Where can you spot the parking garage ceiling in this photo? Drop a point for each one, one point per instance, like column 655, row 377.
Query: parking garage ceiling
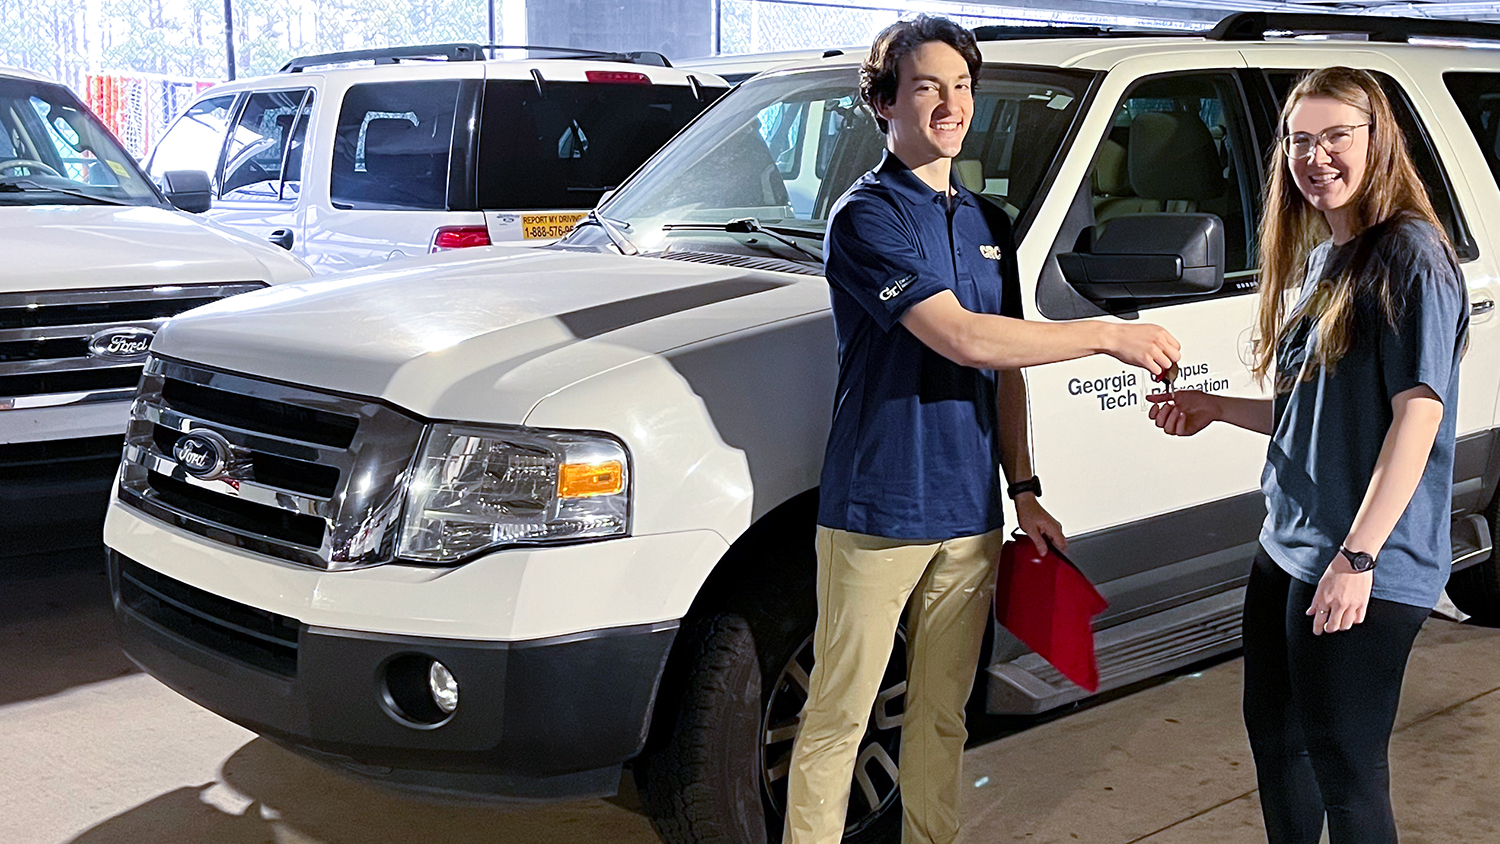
column 1210, row 11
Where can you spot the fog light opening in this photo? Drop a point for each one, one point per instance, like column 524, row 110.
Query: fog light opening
column 419, row 691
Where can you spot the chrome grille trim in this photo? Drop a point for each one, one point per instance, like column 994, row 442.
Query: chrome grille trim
column 45, row 335
column 242, row 487
column 358, row 518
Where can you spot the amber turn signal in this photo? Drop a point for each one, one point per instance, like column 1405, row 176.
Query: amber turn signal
column 583, row 480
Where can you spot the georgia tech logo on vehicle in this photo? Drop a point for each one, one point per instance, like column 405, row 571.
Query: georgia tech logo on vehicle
column 202, row 454
column 990, row 250
column 121, row 343
column 896, row 287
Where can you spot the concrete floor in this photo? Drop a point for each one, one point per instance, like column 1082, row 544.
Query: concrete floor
column 92, row 751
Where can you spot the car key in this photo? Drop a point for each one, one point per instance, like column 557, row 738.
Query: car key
column 1167, row 379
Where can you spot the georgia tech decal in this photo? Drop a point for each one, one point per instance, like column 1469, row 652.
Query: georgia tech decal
column 896, row 287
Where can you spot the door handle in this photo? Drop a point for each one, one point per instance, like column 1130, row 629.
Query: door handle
column 1482, row 306
column 284, row 239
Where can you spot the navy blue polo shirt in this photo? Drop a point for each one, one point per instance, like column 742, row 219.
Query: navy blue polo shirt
column 913, row 452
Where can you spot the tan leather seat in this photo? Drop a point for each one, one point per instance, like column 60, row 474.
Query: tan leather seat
column 1173, row 159
column 1113, row 196
column 970, row 173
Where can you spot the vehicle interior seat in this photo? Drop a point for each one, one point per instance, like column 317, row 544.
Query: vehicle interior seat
column 400, row 166
column 1113, row 195
column 970, row 173
column 1172, row 158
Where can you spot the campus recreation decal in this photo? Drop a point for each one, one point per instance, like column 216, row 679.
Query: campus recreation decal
column 1129, row 388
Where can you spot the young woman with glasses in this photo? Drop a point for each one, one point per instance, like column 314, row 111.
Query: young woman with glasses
column 1363, row 319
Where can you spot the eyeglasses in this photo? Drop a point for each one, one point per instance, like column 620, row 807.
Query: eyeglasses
column 1335, row 139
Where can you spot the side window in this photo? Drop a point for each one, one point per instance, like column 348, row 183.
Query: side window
column 258, row 145
column 291, row 172
column 781, row 129
column 392, row 145
column 1478, row 97
column 1017, row 133
column 1182, row 144
column 1422, row 153
column 195, row 140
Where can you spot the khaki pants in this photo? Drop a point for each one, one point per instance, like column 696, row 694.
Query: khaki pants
column 863, row 586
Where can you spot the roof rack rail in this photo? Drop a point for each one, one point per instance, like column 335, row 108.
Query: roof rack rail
column 389, row 55
column 634, row 57
column 1017, row 32
column 1253, row 26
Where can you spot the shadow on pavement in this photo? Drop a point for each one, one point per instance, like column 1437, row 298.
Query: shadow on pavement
column 56, row 628
column 266, row 794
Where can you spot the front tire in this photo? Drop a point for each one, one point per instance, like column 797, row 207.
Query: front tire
column 720, row 776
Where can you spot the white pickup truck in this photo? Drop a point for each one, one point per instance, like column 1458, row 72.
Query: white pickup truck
column 93, row 259
column 500, row 523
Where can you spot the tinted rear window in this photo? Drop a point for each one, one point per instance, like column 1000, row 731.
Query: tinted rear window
column 565, row 145
column 1478, row 96
column 392, row 145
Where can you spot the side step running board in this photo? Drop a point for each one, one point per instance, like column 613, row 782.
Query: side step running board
column 1127, row 653
column 1148, row 646
column 1471, row 541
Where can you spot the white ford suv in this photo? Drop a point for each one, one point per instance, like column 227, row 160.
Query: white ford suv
column 347, row 163
column 95, row 260
column 499, row 524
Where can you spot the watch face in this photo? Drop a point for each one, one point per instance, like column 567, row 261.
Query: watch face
column 1360, row 561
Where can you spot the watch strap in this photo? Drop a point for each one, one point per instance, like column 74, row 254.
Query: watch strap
column 1032, row 485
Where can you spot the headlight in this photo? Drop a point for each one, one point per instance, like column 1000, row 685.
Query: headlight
column 474, row 488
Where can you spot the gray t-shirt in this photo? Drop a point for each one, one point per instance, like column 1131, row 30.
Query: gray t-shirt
column 1328, row 431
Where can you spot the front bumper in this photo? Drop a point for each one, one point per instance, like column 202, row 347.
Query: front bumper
column 539, row 719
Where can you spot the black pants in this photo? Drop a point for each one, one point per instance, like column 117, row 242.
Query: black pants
column 1320, row 709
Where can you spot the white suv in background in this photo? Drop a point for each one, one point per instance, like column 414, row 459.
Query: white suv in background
column 500, row 525
column 95, row 260
column 349, row 166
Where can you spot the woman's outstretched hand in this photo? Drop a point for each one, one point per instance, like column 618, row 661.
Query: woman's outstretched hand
column 1185, row 412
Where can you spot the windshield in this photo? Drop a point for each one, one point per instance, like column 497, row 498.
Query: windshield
column 53, row 151
column 782, row 148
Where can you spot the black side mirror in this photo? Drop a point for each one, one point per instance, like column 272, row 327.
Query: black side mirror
column 188, row 190
column 1149, row 256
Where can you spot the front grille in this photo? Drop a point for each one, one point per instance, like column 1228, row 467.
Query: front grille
column 310, row 477
column 242, row 633
column 45, row 359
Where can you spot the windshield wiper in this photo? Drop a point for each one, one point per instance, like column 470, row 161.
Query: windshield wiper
column 619, row 240
column 28, row 186
column 748, row 225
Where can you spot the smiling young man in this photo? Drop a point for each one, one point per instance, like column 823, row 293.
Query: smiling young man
column 930, row 406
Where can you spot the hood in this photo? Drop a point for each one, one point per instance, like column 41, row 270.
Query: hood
column 62, row 247
column 480, row 335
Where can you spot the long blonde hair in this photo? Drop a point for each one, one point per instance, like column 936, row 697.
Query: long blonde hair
column 1290, row 227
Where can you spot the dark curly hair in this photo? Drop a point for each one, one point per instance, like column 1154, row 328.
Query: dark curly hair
column 880, row 75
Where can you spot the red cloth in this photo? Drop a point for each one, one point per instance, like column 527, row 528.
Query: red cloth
column 1047, row 603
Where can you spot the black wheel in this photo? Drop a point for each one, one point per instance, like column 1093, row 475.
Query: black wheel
column 720, row 777
column 1476, row 589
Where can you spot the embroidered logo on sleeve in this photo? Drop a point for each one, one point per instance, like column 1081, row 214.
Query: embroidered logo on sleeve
column 896, row 287
column 989, row 250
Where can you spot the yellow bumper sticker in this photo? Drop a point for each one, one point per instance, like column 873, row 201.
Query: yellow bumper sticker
column 547, row 226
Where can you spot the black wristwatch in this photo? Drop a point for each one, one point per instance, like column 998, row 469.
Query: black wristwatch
column 1358, row 560
column 1032, row 485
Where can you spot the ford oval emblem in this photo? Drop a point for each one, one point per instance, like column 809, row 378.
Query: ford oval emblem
column 121, row 343
column 202, row 454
